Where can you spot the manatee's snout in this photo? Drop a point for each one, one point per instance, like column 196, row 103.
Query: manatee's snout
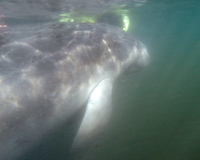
column 138, row 59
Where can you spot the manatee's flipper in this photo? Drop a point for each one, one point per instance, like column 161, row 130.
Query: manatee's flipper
column 97, row 114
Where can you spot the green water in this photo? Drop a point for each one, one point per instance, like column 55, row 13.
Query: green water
column 156, row 113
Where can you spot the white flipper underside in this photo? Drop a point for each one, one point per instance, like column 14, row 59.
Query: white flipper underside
column 97, row 114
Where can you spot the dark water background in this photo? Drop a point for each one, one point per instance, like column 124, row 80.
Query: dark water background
column 156, row 112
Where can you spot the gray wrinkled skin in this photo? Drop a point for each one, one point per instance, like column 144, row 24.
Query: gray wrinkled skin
column 47, row 72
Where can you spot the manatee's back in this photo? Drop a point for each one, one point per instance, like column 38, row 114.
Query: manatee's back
column 35, row 74
column 22, row 94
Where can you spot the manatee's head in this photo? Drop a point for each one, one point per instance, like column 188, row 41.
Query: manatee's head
column 129, row 54
column 107, row 48
column 138, row 58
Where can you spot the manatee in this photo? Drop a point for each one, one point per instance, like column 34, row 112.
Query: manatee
column 48, row 72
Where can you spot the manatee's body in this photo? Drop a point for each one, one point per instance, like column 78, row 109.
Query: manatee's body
column 46, row 75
